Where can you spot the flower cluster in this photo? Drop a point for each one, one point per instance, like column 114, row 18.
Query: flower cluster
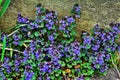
column 46, row 48
column 76, row 10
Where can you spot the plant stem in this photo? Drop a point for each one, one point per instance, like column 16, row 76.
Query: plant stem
column 13, row 32
column 10, row 49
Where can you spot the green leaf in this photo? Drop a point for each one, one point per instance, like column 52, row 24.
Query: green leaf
column 56, row 74
column 56, row 35
column 88, row 46
column 63, row 72
column 71, row 39
column 84, row 72
column 10, row 79
column 22, row 77
column 33, row 64
column 43, row 10
column 83, row 54
column 36, row 33
column 90, row 72
column 52, row 77
column 79, row 61
column 86, row 65
column 21, row 69
column 59, row 71
column 42, row 25
column 87, row 78
column 31, row 36
column 34, row 76
column 105, row 73
column 60, row 78
column 73, row 70
column 21, row 43
column 62, row 63
column 73, row 32
column 66, row 59
column 3, row 48
column 29, row 61
column 65, row 35
column 4, row 7
column 68, row 41
column 69, row 65
column 73, row 25
column 44, row 31
column 10, row 63
column 74, row 63
column 53, row 27
column 97, row 66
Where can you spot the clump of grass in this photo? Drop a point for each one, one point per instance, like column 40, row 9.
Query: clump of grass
column 4, row 7
column 0, row 2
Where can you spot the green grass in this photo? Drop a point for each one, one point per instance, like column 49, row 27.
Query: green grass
column 4, row 7
column 3, row 48
column 0, row 2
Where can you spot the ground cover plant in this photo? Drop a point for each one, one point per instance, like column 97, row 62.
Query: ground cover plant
column 46, row 48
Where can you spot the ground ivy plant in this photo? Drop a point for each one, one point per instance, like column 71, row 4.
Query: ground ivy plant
column 46, row 48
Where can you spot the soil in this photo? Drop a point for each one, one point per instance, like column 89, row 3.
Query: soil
column 101, row 12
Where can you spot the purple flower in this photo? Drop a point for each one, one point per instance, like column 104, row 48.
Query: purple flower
column 51, row 38
column 38, row 54
column 26, row 52
column 17, row 69
column 24, row 29
column 28, row 75
column 107, row 57
column 104, row 68
column 80, row 78
column 76, row 10
column 61, row 28
column 40, row 10
column 118, row 48
column 49, row 26
column 2, row 75
column 32, row 46
column 95, row 47
column 70, row 19
column 21, row 19
column 87, row 40
column 16, row 42
column 48, row 78
column 67, row 49
column 16, row 37
column 63, row 23
column 17, row 63
column 100, row 61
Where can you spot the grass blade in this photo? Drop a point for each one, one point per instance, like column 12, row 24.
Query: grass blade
column 3, row 48
column 0, row 2
column 4, row 7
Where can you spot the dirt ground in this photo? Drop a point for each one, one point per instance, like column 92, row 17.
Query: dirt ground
column 101, row 12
